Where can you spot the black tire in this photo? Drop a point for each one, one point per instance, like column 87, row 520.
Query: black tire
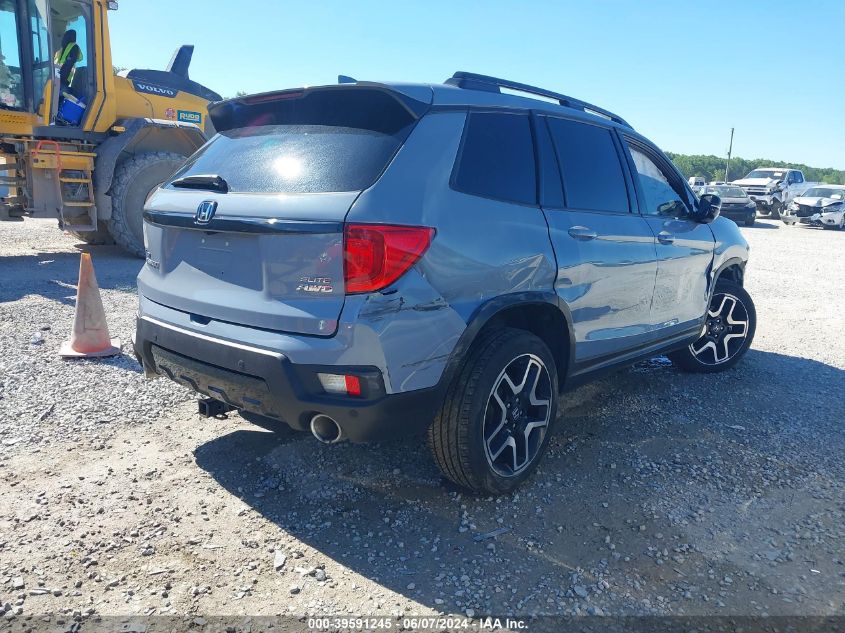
column 456, row 437
column 99, row 237
column 750, row 220
column 775, row 209
column 731, row 342
column 134, row 180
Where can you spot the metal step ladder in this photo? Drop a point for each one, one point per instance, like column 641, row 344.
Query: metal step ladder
column 85, row 217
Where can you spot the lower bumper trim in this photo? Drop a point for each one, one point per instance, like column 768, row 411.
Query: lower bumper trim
column 267, row 383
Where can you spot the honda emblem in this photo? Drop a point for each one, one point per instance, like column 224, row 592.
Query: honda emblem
column 205, row 212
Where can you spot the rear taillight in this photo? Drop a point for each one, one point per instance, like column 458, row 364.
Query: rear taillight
column 376, row 255
column 345, row 384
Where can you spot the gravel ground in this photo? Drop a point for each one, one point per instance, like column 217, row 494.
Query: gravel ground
column 662, row 494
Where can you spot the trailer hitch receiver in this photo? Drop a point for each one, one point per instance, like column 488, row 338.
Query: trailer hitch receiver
column 211, row 408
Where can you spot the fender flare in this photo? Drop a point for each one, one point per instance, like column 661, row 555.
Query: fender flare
column 182, row 138
column 733, row 261
column 484, row 313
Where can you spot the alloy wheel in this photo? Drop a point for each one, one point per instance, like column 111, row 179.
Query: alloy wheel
column 517, row 414
column 725, row 331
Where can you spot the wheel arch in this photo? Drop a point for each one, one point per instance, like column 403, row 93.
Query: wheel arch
column 541, row 313
column 140, row 136
column 732, row 270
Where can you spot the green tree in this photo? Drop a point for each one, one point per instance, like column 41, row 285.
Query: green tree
column 713, row 167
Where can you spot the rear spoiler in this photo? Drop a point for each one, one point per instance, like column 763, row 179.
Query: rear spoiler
column 291, row 105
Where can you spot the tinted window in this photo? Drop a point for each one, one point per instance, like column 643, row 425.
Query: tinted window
column 497, row 158
column 589, row 164
column 336, row 140
column 549, row 173
column 660, row 197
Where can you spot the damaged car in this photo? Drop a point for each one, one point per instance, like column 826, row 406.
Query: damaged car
column 822, row 206
column 370, row 259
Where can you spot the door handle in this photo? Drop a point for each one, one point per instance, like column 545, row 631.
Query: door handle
column 582, row 233
column 665, row 237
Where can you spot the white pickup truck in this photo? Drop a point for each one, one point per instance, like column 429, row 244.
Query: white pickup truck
column 773, row 188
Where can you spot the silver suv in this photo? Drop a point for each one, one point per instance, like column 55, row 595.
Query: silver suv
column 368, row 259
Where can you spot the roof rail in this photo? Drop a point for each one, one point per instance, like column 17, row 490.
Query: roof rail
column 473, row 81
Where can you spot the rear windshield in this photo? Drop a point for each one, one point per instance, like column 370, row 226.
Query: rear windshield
column 320, row 142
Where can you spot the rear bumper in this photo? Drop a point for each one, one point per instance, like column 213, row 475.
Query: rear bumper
column 268, row 383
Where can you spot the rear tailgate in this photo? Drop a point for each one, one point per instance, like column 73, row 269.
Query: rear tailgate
column 278, row 180
column 249, row 265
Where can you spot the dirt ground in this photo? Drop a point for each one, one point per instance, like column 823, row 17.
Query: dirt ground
column 663, row 493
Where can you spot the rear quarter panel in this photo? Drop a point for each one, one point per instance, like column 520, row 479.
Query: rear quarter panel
column 483, row 249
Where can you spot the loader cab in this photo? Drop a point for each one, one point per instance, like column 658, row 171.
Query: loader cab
column 31, row 33
column 77, row 86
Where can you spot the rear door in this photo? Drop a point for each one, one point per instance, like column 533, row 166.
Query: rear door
column 250, row 230
column 684, row 247
column 605, row 253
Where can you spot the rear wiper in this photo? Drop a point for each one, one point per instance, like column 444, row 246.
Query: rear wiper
column 210, row 182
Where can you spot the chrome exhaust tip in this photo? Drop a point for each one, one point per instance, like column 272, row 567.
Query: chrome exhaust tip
column 325, row 429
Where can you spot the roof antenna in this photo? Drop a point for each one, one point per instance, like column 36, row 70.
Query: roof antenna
column 344, row 79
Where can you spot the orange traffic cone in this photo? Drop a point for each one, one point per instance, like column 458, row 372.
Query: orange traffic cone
column 90, row 336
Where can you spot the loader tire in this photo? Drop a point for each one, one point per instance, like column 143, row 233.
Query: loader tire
column 100, row 237
column 135, row 179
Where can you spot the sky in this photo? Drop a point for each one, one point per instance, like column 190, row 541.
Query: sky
column 682, row 73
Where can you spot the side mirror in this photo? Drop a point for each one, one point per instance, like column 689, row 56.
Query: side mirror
column 709, row 206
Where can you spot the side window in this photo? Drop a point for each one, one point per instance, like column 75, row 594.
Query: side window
column 11, row 80
column 40, row 49
column 799, row 178
column 590, row 166
column 660, row 197
column 79, row 74
column 497, row 158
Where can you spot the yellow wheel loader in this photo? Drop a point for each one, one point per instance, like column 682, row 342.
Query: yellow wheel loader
column 77, row 141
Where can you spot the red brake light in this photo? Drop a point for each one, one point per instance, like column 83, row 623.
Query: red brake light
column 376, row 255
column 353, row 385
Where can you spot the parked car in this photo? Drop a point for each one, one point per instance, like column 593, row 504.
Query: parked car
column 823, row 206
column 369, row 259
column 773, row 188
column 736, row 205
column 695, row 181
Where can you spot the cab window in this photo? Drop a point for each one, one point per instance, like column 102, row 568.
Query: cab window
column 69, row 32
column 11, row 81
column 40, row 49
